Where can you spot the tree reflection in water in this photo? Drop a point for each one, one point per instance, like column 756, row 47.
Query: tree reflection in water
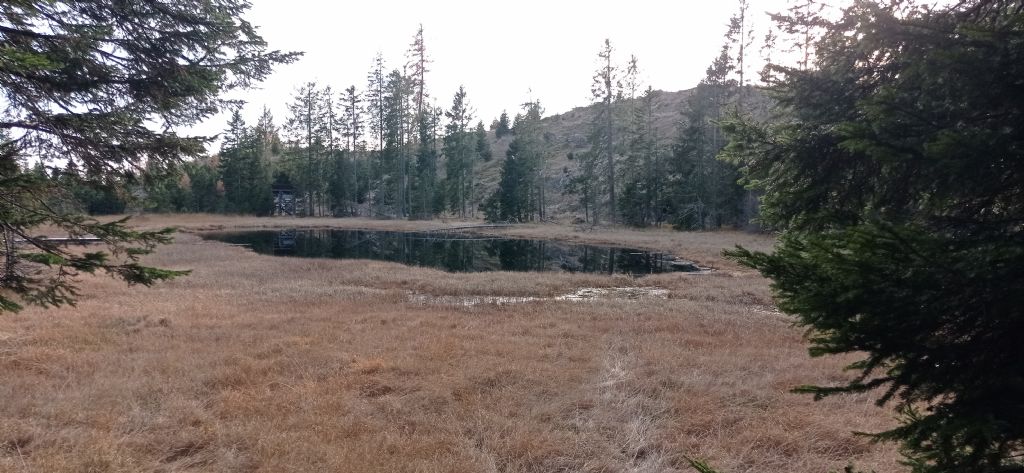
column 455, row 252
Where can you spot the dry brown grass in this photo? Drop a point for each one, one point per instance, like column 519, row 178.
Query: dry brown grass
column 257, row 363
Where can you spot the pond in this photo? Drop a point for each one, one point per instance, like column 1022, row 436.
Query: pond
column 456, row 252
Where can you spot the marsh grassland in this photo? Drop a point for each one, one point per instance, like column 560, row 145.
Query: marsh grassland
column 268, row 364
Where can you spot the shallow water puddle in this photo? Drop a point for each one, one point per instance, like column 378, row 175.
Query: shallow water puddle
column 628, row 293
column 469, row 301
column 586, row 294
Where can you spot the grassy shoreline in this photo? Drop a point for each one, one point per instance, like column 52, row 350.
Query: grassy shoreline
column 705, row 247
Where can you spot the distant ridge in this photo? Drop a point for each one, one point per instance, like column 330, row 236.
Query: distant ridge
column 567, row 133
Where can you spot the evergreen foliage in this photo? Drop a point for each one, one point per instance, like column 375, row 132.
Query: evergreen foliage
column 246, row 179
column 393, row 158
column 682, row 183
column 352, row 120
column 504, row 127
column 460, row 152
column 645, row 169
column 704, row 191
column 207, row 195
column 483, row 143
column 520, row 193
column 606, row 91
column 97, row 85
column 428, row 200
column 307, row 131
column 896, row 181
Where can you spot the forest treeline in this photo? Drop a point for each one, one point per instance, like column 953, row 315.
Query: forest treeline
column 388, row 150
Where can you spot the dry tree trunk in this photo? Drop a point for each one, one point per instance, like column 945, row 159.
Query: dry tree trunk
column 9, row 255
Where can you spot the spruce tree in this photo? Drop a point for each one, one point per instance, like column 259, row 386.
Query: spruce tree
column 705, row 191
column 459, row 153
column 353, row 132
column 483, row 143
column 424, row 184
column 246, row 180
column 335, row 175
column 520, row 195
column 352, row 119
column 97, row 84
column 741, row 39
column 801, row 23
column 305, row 130
column 418, row 67
column 420, row 180
column 393, row 171
column 268, row 136
column 896, row 180
column 606, row 89
column 203, row 179
column 170, row 193
column 233, row 152
column 644, row 170
column 504, row 127
column 376, row 108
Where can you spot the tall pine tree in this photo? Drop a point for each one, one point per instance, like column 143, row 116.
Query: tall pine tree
column 459, row 153
column 605, row 90
column 644, row 172
column 306, row 131
column 246, row 180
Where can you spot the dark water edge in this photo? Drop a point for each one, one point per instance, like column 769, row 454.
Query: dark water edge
column 456, row 252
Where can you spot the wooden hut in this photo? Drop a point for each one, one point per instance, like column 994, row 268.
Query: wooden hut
column 284, row 199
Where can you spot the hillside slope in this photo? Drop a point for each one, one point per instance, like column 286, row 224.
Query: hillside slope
column 567, row 132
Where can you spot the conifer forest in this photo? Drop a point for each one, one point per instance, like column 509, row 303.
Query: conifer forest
column 389, row 148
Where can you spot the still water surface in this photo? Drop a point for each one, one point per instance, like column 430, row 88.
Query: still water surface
column 456, row 252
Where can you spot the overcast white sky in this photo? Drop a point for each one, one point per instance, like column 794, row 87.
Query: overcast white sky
column 503, row 52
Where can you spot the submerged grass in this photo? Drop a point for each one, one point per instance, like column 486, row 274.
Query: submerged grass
column 260, row 363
